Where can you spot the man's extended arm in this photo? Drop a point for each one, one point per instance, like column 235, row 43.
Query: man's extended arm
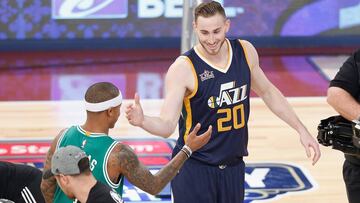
column 277, row 103
column 48, row 186
column 178, row 82
column 124, row 158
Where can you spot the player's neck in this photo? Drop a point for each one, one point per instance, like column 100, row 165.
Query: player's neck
column 219, row 58
column 93, row 126
column 85, row 184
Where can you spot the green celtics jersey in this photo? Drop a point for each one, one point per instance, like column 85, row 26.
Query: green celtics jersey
column 98, row 147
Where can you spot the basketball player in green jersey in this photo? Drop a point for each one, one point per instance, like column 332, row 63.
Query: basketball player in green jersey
column 111, row 161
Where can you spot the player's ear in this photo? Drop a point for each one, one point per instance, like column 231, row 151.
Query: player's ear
column 227, row 25
column 62, row 179
column 110, row 111
column 113, row 111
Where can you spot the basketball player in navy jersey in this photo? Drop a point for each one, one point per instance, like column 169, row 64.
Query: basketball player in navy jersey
column 210, row 84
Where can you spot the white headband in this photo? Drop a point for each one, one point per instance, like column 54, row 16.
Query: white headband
column 102, row 106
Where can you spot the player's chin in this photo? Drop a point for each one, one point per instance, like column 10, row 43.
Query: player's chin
column 112, row 125
column 213, row 51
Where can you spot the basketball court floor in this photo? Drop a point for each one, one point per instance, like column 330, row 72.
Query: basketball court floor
column 39, row 100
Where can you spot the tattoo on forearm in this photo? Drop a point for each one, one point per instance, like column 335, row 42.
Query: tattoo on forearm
column 48, row 186
column 140, row 176
column 48, row 189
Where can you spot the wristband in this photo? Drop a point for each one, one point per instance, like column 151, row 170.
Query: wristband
column 187, row 149
column 186, row 153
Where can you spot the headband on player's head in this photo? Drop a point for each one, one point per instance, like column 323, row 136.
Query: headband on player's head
column 102, row 106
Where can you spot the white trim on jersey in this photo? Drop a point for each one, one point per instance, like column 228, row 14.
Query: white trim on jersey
column 89, row 134
column 229, row 60
column 27, row 196
column 61, row 138
column 106, row 175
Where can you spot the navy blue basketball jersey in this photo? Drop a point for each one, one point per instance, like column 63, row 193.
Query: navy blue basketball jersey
column 221, row 99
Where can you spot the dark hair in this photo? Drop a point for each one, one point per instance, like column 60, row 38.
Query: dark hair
column 100, row 92
column 84, row 165
column 209, row 9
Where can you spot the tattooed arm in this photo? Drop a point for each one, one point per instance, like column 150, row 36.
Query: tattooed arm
column 48, row 186
column 140, row 176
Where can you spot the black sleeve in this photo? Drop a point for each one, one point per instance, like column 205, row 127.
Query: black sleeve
column 17, row 180
column 102, row 193
column 6, row 172
column 348, row 76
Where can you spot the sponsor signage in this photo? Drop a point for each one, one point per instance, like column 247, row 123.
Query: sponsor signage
column 89, row 9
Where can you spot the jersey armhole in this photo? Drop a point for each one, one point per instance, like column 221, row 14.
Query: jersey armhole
column 194, row 76
column 105, row 172
column 245, row 53
column 61, row 138
column 186, row 101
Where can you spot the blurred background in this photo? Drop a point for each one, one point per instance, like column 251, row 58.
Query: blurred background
column 51, row 51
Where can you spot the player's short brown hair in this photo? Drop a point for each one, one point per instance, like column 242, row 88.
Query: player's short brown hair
column 209, row 9
column 100, row 92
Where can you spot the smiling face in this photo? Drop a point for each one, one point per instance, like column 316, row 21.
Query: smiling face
column 211, row 32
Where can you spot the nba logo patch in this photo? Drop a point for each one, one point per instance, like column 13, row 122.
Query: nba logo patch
column 206, row 75
column 83, row 144
column 89, row 9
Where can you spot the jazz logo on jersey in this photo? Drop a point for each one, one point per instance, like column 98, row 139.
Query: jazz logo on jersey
column 229, row 94
column 89, row 9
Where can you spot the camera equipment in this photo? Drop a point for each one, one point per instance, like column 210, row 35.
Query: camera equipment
column 341, row 134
